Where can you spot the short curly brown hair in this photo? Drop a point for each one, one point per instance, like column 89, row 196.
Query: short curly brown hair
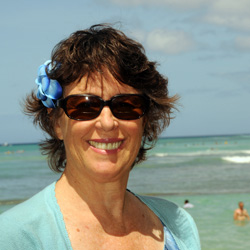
column 91, row 50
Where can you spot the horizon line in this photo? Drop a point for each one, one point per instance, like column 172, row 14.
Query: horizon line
column 4, row 144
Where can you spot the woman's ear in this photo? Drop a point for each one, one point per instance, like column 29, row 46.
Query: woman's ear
column 58, row 129
column 56, row 124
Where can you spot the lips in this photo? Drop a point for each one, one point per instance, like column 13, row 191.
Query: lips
column 106, row 145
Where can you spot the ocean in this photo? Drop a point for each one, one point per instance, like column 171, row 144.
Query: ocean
column 212, row 172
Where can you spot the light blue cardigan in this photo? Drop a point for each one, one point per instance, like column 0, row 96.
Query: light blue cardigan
column 179, row 223
column 38, row 224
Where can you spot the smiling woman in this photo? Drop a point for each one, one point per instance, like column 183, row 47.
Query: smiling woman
column 103, row 104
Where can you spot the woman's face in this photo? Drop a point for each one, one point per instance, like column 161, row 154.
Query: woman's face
column 102, row 149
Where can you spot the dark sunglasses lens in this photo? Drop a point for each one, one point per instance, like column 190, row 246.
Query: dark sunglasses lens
column 83, row 107
column 129, row 107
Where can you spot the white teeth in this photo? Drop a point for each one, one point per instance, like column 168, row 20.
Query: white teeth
column 105, row 146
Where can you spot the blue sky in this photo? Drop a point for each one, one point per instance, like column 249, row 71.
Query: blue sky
column 202, row 46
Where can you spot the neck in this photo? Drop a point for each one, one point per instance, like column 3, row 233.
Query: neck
column 104, row 199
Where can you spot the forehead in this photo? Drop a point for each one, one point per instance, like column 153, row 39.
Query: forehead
column 98, row 83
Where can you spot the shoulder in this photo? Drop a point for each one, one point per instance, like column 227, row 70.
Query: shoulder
column 19, row 225
column 188, row 205
column 168, row 211
column 29, row 208
column 176, row 219
column 237, row 210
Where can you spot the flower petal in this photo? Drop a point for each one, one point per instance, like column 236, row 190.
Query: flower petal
column 54, row 90
column 48, row 89
column 49, row 103
column 45, row 84
column 38, row 81
column 40, row 95
column 41, row 70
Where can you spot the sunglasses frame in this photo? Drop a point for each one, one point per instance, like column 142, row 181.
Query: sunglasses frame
column 62, row 103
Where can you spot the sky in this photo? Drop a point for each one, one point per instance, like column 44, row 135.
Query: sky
column 202, row 46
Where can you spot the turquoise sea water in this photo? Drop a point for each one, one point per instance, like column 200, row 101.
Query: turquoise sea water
column 212, row 172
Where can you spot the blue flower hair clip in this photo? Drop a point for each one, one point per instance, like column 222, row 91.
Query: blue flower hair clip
column 49, row 90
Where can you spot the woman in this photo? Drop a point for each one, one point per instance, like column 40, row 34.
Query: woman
column 103, row 104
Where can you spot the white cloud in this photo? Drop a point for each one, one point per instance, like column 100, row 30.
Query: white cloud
column 139, row 35
column 229, row 13
column 226, row 13
column 181, row 4
column 243, row 43
column 231, row 6
column 170, row 42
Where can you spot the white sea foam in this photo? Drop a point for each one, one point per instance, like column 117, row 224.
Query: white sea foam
column 161, row 154
column 246, row 152
column 237, row 159
column 208, row 152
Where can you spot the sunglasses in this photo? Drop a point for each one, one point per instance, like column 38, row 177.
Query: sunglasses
column 88, row 107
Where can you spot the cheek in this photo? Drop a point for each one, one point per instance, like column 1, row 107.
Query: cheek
column 74, row 131
column 136, row 130
column 64, row 128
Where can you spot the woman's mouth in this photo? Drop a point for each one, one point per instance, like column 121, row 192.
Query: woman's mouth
column 106, row 145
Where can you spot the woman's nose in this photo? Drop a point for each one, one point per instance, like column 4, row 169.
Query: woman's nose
column 106, row 120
